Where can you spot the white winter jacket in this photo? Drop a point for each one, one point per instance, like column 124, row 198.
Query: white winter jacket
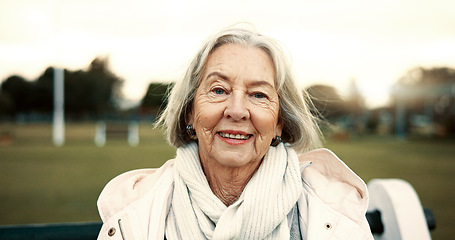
column 134, row 205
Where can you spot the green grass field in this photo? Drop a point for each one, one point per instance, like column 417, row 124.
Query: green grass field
column 41, row 183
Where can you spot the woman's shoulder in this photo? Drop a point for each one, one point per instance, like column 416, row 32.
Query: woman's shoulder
column 332, row 181
column 330, row 165
column 130, row 186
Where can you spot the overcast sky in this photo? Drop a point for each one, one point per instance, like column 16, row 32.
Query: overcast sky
column 331, row 41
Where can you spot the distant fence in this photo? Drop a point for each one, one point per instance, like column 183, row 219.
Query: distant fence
column 99, row 133
column 128, row 131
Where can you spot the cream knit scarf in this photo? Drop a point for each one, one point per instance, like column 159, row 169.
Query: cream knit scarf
column 259, row 213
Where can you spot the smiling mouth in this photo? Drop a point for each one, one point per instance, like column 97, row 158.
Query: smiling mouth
column 234, row 136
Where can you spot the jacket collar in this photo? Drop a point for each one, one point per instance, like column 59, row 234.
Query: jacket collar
column 329, row 179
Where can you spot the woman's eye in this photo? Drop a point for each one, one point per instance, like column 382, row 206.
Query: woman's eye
column 259, row 95
column 219, row 91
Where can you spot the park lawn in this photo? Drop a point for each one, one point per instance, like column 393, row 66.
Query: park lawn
column 428, row 165
column 41, row 183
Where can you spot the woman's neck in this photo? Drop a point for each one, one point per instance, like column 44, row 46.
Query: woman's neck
column 228, row 183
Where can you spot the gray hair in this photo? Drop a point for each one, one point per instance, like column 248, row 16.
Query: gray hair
column 300, row 128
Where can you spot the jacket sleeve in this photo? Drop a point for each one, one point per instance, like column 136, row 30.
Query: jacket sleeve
column 121, row 191
column 134, row 204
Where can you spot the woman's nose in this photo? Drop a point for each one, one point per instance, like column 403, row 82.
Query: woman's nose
column 236, row 107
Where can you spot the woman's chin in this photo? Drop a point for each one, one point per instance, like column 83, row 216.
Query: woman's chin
column 228, row 153
column 230, row 159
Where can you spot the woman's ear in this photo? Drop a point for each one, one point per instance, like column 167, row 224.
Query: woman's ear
column 189, row 118
column 279, row 128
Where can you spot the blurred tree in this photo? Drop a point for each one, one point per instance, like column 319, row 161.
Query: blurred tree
column 426, row 95
column 6, row 107
column 355, row 106
column 16, row 95
column 355, row 102
column 92, row 92
column 327, row 101
column 155, row 98
column 427, row 76
column 87, row 93
column 43, row 92
column 420, row 84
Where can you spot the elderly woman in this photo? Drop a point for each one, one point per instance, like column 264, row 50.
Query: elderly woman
column 238, row 120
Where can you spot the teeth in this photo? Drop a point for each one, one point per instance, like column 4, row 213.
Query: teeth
column 238, row 136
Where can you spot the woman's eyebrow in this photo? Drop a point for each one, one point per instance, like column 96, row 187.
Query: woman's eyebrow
column 253, row 83
column 218, row 74
column 261, row 83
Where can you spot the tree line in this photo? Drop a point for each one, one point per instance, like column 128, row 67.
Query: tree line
column 428, row 96
column 88, row 93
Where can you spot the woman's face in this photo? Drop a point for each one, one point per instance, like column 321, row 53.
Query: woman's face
column 236, row 107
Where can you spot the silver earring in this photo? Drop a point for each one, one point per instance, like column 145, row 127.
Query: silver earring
column 276, row 141
column 190, row 130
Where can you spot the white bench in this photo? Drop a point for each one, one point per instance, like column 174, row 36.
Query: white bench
column 400, row 212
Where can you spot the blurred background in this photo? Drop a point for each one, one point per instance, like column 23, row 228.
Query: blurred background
column 381, row 74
